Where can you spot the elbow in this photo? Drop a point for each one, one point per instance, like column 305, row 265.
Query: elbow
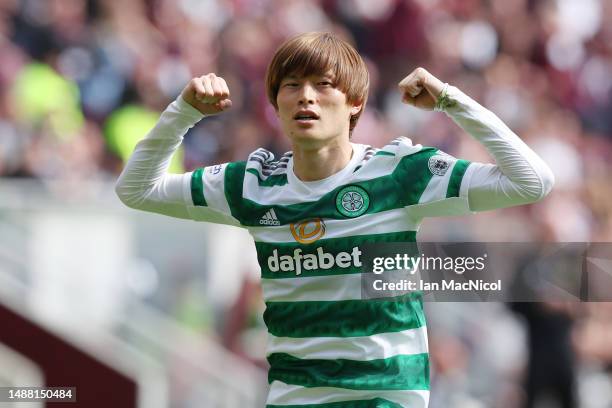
column 126, row 195
column 122, row 193
column 548, row 182
column 544, row 187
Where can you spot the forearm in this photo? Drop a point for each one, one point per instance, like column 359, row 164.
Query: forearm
column 520, row 176
column 144, row 183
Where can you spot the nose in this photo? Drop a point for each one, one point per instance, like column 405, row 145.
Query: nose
column 308, row 95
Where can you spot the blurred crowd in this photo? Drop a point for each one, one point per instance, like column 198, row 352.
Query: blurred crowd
column 81, row 81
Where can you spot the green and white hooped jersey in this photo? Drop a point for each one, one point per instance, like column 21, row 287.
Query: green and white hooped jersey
column 328, row 347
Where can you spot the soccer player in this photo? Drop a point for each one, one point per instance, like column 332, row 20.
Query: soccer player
column 311, row 210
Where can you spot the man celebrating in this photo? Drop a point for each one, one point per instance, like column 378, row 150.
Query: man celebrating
column 312, row 209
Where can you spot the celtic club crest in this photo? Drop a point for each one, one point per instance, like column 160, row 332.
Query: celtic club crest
column 352, row 201
column 439, row 164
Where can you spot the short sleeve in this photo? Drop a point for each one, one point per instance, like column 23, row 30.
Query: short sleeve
column 209, row 191
column 435, row 183
column 446, row 193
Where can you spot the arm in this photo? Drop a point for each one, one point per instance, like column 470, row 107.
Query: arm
column 144, row 183
column 520, row 175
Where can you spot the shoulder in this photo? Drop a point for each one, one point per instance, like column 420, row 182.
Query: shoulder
column 416, row 160
column 263, row 164
column 264, row 158
column 403, row 146
column 399, row 149
column 404, row 159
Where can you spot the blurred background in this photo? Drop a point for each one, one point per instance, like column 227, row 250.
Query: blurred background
column 143, row 310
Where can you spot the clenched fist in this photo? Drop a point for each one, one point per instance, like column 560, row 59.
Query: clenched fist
column 421, row 89
column 209, row 94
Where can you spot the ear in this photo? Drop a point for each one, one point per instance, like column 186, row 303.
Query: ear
column 355, row 109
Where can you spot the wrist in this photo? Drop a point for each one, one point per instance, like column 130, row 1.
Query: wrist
column 188, row 109
column 443, row 101
column 433, row 85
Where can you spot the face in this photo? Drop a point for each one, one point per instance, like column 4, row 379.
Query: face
column 312, row 111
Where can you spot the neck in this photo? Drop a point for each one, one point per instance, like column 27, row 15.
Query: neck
column 317, row 163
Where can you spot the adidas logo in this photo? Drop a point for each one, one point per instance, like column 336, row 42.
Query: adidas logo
column 269, row 218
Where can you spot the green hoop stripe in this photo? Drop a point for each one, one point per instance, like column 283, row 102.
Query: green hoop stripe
column 330, row 245
column 345, row 318
column 234, row 182
column 277, row 180
column 403, row 187
column 197, row 188
column 371, row 403
column 402, row 372
column 454, row 184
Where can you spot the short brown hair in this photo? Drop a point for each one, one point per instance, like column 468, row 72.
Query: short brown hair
column 315, row 54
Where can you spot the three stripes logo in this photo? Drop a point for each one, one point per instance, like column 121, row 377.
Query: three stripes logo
column 269, row 218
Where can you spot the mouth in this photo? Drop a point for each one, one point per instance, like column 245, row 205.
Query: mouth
column 306, row 116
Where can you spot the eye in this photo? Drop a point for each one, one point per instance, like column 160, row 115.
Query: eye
column 326, row 83
column 290, row 84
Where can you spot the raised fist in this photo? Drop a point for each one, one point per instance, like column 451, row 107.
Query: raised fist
column 209, row 94
column 420, row 89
